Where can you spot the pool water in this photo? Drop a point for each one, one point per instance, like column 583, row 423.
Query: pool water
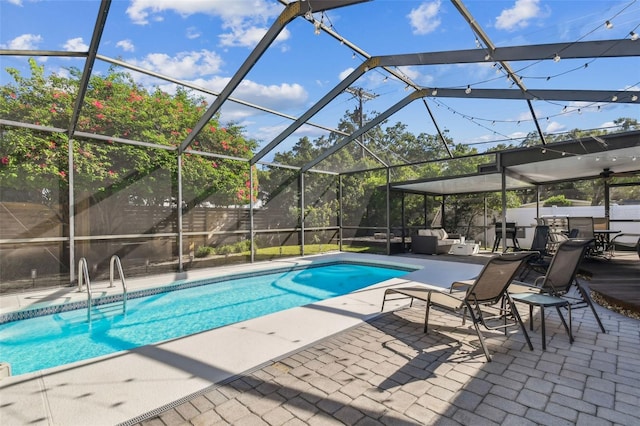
column 52, row 340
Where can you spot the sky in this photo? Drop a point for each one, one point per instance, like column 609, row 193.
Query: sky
column 204, row 42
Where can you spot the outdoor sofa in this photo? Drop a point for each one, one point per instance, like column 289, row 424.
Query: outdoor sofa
column 433, row 241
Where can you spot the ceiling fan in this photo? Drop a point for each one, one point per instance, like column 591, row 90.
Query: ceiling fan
column 607, row 173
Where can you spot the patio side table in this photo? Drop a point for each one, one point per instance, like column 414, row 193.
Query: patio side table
column 543, row 301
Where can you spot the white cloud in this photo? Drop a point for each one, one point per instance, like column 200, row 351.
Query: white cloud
column 193, row 33
column 230, row 11
column 184, row 65
column 23, row 42
column 518, row 135
column 425, row 18
column 554, row 127
column 344, row 74
column 414, row 74
column 607, row 125
column 518, row 15
column 282, row 97
column 15, row 2
column 76, row 45
column 245, row 20
column 126, row 45
column 241, row 36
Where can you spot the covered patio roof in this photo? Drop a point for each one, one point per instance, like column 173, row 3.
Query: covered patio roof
column 586, row 158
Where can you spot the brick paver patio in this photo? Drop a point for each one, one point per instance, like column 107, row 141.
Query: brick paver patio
column 388, row 372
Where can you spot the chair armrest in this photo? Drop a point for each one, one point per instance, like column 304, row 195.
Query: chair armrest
column 462, row 285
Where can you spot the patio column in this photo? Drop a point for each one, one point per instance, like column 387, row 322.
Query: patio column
column 251, row 225
column 301, row 193
column 341, row 212
column 504, row 206
column 179, row 212
column 388, row 211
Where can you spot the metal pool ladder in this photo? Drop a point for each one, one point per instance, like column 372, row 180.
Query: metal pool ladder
column 115, row 262
column 83, row 277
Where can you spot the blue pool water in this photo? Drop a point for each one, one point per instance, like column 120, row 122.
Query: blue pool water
column 48, row 341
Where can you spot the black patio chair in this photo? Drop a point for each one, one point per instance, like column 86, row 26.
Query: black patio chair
column 486, row 299
column 560, row 277
column 541, row 261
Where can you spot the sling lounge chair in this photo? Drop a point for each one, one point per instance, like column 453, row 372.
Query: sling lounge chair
column 486, row 300
column 559, row 278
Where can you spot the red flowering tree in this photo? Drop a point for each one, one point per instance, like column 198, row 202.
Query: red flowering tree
column 34, row 164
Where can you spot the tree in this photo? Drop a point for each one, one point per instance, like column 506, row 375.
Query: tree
column 35, row 166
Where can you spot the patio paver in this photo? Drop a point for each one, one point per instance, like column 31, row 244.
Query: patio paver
column 387, row 371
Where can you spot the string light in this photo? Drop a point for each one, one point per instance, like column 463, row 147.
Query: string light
column 434, row 92
column 634, row 36
column 487, row 56
column 608, row 25
column 468, row 89
column 556, row 58
column 614, row 98
column 634, row 98
column 316, row 31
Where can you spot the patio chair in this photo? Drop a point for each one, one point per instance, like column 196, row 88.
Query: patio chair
column 486, row 299
column 560, row 277
column 585, row 228
column 539, row 262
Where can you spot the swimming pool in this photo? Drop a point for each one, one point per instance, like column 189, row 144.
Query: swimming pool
column 64, row 337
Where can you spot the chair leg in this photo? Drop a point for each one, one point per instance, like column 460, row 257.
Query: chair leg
column 531, row 317
column 542, row 328
column 516, row 315
column 568, row 328
column 426, row 318
column 482, row 343
column 587, row 300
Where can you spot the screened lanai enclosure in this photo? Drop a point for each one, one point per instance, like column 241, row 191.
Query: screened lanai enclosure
column 198, row 134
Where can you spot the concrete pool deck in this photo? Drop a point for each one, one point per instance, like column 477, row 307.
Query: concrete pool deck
column 116, row 388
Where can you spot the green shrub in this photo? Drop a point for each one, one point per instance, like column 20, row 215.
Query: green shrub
column 557, row 200
column 226, row 249
column 204, row 251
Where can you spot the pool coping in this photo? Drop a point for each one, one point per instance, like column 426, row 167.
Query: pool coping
column 49, row 309
column 115, row 388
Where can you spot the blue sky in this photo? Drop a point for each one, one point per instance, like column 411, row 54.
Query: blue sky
column 204, row 42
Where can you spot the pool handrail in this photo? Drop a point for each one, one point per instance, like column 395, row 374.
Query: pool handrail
column 83, row 274
column 115, row 262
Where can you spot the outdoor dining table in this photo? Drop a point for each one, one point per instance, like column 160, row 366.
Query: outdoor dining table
column 603, row 238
